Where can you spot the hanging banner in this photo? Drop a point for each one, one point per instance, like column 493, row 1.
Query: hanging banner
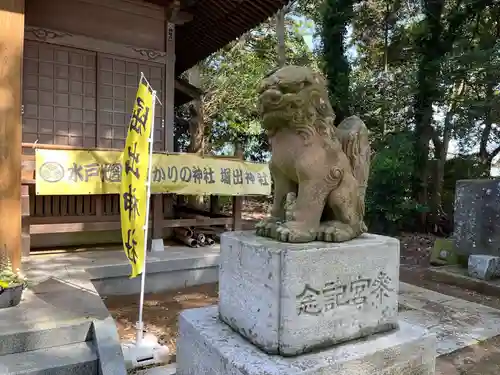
column 134, row 178
column 73, row 172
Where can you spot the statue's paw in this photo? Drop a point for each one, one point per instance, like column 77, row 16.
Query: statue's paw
column 267, row 228
column 291, row 232
column 335, row 231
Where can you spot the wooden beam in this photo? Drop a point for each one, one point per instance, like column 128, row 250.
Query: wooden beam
column 188, row 89
column 42, row 146
column 11, row 58
column 104, row 226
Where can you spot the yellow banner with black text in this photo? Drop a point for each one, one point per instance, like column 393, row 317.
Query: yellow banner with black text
column 134, row 178
column 75, row 172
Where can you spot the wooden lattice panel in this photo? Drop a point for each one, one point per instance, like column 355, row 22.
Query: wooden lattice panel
column 59, row 95
column 117, row 86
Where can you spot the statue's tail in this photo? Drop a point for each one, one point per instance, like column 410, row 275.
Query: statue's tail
column 354, row 136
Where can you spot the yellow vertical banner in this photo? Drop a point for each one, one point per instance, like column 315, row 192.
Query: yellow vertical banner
column 134, row 181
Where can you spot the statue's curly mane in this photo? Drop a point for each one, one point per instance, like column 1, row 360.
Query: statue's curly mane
column 303, row 106
column 324, row 123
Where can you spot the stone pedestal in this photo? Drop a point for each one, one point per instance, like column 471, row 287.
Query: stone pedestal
column 209, row 347
column 312, row 308
column 477, row 217
column 292, row 298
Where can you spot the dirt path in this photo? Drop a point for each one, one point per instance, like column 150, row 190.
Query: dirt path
column 480, row 359
column 161, row 311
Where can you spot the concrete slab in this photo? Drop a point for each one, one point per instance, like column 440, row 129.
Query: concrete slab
column 457, row 323
column 208, row 346
column 108, row 271
column 39, row 311
column 160, row 370
column 21, row 336
column 62, row 310
column 78, row 358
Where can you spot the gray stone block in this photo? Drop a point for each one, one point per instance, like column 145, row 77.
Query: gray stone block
column 477, row 217
column 294, row 298
column 209, row 347
column 108, row 348
column 77, row 359
column 21, row 338
column 484, row 267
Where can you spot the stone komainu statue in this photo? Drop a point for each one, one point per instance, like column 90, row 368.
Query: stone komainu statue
column 326, row 167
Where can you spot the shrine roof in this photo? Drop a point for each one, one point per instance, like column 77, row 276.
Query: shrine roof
column 216, row 23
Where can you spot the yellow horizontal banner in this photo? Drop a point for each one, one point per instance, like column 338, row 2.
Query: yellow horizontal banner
column 87, row 172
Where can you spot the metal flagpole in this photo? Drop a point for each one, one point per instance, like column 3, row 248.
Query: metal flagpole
column 140, row 325
column 145, row 350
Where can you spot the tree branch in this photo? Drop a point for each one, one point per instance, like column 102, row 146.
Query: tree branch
column 494, row 153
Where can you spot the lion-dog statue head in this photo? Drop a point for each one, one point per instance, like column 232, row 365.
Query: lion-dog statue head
column 296, row 97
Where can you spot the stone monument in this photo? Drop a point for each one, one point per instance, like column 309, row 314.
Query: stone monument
column 476, row 226
column 311, row 292
column 477, row 217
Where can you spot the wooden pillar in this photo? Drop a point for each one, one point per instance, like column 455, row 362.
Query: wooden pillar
column 169, row 85
column 214, row 205
column 157, row 205
column 25, row 221
column 168, row 200
column 237, row 206
column 11, row 57
column 237, row 200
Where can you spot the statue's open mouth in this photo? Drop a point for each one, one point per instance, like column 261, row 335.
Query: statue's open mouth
column 275, row 101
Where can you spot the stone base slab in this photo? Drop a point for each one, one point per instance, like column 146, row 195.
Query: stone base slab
column 289, row 299
column 206, row 346
column 484, row 267
column 458, row 276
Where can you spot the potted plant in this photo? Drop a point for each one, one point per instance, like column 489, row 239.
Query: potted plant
column 12, row 284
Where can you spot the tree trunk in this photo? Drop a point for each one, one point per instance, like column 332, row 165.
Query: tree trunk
column 441, row 149
column 427, row 94
column 337, row 15
column 386, row 37
column 196, row 123
column 196, row 130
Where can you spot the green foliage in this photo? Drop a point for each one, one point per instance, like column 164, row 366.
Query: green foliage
column 230, row 78
column 389, row 203
column 428, row 68
column 427, row 71
column 381, row 100
column 9, row 277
